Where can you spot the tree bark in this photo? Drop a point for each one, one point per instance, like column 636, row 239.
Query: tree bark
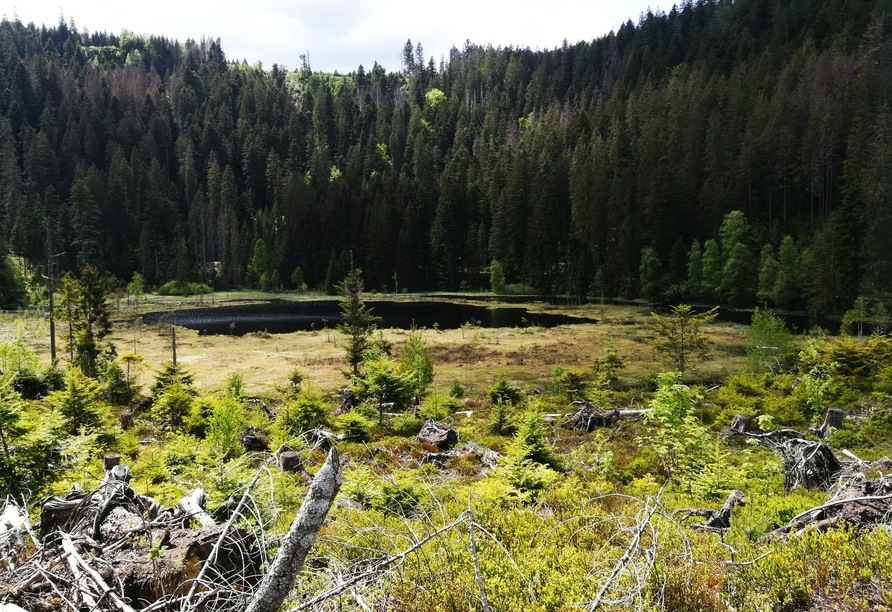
column 279, row 580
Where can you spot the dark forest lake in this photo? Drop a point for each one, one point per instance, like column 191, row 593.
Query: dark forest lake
column 283, row 316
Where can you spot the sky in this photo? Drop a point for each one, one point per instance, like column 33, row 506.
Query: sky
column 340, row 34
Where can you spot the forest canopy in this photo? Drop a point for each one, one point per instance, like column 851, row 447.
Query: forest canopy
column 604, row 167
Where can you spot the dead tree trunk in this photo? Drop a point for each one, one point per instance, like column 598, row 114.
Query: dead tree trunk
column 833, row 419
column 717, row 520
column 279, row 580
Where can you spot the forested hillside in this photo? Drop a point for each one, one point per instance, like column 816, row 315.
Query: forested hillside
column 601, row 168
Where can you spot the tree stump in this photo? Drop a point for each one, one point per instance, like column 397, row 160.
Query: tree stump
column 441, row 437
column 289, row 461
column 742, row 424
column 833, row 419
column 111, row 460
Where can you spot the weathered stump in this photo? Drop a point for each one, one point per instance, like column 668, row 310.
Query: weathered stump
column 834, row 419
column 742, row 424
column 289, row 461
column 254, row 440
column 443, row 438
column 111, row 460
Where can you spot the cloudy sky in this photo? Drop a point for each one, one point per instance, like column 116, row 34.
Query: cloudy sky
column 340, row 34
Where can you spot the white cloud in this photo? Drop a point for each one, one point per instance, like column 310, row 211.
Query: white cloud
column 342, row 34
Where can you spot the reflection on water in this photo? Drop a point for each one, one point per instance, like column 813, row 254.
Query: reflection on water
column 281, row 316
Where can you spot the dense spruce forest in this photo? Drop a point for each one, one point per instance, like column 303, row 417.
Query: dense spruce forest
column 724, row 152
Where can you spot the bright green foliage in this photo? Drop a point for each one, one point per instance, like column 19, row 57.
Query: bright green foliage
column 80, row 403
column 679, row 438
column 530, row 443
column 496, row 277
column 260, row 265
column 225, row 424
column 308, row 410
column 417, row 361
column 768, row 343
column 650, row 274
column 170, row 374
column 712, row 268
column 680, row 336
column 11, row 428
column 768, row 269
column 818, row 380
column 503, row 391
column 136, row 287
column 383, row 383
column 853, row 320
column 359, row 323
column 174, row 404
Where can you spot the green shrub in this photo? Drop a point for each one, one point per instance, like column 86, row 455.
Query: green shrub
column 308, row 410
column 458, row 391
column 530, row 443
column 355, row 427
column 225, row 424
column 503, row 391
column 406, row 425
column 183, row 289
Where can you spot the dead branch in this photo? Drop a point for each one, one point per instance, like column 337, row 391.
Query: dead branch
column 279, row 579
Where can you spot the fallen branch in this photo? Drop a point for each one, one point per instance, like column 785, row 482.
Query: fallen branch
column 279, row 580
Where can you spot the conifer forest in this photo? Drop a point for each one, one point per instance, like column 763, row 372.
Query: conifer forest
column 680, row 396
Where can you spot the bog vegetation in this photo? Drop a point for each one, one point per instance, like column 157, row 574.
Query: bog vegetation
column 721, row 153
column 561, row 516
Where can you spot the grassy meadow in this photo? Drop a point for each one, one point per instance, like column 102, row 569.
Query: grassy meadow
column 564, row 519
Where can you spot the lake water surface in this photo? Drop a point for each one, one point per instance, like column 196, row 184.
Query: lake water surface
column 283, row 316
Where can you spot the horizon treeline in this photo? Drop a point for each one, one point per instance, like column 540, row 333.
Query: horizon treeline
column 750, row 141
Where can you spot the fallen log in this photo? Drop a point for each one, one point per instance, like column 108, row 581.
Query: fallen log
column 859, row 501
column 279, row 579
column 716, row 520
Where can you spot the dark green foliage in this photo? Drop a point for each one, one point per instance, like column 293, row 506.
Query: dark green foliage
column 530, row 444
column 456, row 390
column 359, row 322
column 501, row 422
column 171, row 374
column 183, row 288
column 504, row 392
column 561, row 164
column 651, row 275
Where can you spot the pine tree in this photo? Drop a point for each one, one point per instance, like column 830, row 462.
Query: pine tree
column 695, row 271
column 359, row 323
column 680, row 335
column 787, row 288
column 712, row 269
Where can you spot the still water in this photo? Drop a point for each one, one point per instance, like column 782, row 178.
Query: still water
column 282, row 316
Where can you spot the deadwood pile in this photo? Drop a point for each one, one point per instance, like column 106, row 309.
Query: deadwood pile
column 114, row 550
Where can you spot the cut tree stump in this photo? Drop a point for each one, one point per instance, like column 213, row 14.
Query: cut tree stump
column 443, row 438
column 834, row 419
column 289, row 461
column 111, row 460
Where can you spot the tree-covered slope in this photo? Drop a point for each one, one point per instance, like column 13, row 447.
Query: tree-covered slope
column 564, row 165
